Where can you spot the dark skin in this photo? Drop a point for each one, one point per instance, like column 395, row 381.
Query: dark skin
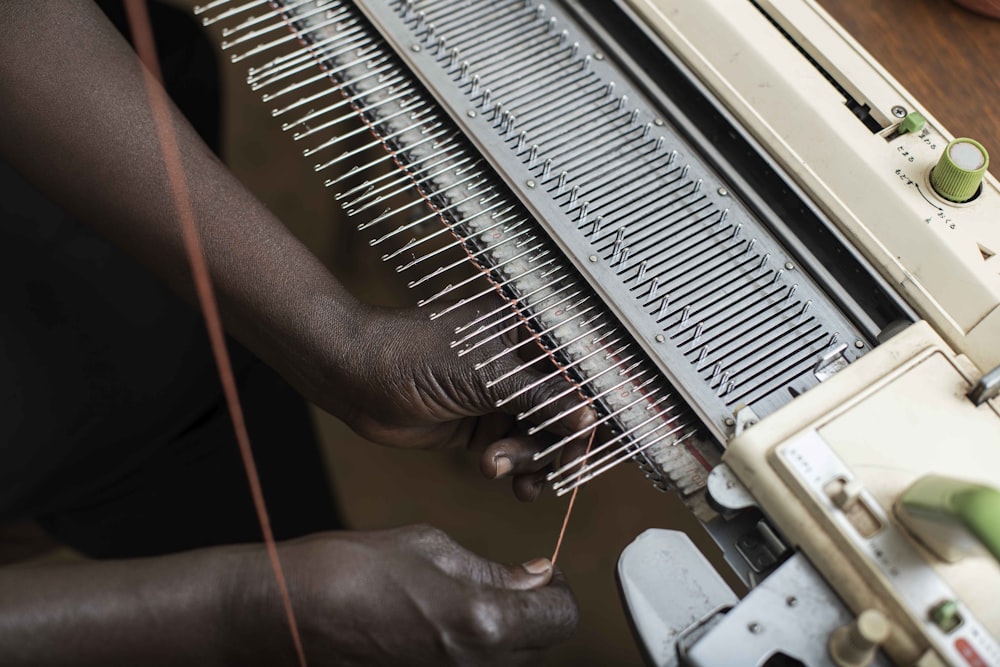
column 76, row 122
column 409, row 596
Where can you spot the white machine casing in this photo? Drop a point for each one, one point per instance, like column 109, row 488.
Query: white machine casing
column 902, row 411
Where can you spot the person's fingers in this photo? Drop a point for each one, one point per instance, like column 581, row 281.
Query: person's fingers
column 546, row 398
column 514, row 455
column 573, row 451
column 534, row 617
column 534, row 573
column 456, row 561
column 491, row 428
column 985, row 7
column 528, row 487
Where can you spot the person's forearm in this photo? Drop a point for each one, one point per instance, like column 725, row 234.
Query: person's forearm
column 150, row 611
column 408, row 596
column 76, row 121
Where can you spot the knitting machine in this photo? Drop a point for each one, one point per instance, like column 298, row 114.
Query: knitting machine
column 766, row 267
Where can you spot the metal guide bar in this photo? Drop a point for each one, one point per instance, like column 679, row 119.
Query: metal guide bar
column 489, row 224
column 700, row 283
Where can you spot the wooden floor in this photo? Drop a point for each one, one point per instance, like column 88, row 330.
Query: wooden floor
column 948, row 57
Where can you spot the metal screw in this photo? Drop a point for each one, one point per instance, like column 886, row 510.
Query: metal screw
column 471, row 113
column 789, row 266
column 755, row 628
column 592, row 258
column 415, row 47
column 859, row 344
column 723, row 192
column 660, row 338
column 899, row 112
column 792, row 601
column 598, row 56
column 658, row 122
column 530, row 183
column 730, row 421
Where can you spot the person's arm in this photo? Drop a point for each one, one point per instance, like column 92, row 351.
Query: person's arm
column 402, row 597
column 76, row 121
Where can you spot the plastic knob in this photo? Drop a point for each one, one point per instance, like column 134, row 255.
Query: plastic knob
column 959, row 173
column 856, row 644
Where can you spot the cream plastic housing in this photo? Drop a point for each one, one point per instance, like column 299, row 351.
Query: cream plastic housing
column 943, row 258
column 892, row 417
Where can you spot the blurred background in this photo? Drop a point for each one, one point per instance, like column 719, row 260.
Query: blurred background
column 380, row 488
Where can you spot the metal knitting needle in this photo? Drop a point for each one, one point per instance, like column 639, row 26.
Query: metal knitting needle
column 447, row 228
column 295, row 35
column 405, row 182
column 277, row 25
column 588, row 468
column 410, row 181
column 451, row 288
column 514, row 307
column 375, row 61
column 405, row 104
column 430, row 216
column 465, row 260
column 562, row 490
column 649, row 396
column 509, row 349
column 521, row 416
column 313, row 58
column 556, row 373
column 426, row 126
column 499, row 333
column 312, row 52
column 360, row 42
column 422, row 202
column 546, row 354
column 632, row 447
column 515, row 346
column 629, row 454
column 254, row 20
column 590, row 401
column 380, row 75
column 443, row 151
column 495, row 287
column 606, row 418
column 461, row 241
column 407, row 173
column 226, row 14
column 402, row 112
column 388, row 157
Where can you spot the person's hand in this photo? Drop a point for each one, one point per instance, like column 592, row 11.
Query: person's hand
column 985, row 7
column 410, row 597
column 403, row 385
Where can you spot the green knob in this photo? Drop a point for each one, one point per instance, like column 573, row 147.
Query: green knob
column 913, row 122
column 959, row 172
column 945, row 615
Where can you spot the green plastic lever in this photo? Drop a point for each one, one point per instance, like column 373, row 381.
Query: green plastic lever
column 913, row 122
column 974, row 506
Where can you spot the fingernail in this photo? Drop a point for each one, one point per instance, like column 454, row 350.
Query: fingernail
column 503, row 466
column 537, row 566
